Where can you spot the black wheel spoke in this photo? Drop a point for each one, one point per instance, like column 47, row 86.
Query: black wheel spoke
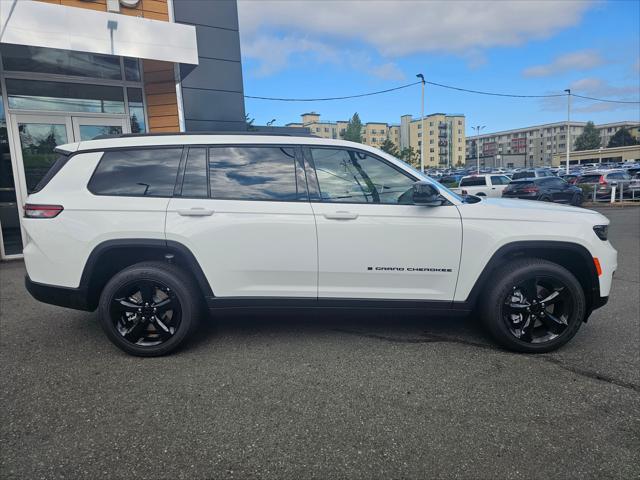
column 163, row 306
column 147, row 289
column 136, row 332
column 556, row 320
column 530, row 289
column 124, row 304
column 553, row 297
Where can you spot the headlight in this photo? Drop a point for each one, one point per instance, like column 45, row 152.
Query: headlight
column 602, row 231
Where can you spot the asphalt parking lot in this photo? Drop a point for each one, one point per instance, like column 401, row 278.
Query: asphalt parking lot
column 326, row 394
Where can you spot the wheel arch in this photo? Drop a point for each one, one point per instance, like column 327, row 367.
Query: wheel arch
column 572, row 256
column 112, row 256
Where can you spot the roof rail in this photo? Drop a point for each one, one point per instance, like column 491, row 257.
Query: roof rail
column 165, row 134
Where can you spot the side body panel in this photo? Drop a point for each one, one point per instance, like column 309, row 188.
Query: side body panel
column 388, row 251
column 250, row 248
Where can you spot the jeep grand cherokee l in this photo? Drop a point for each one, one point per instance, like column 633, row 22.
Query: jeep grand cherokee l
column 151, row 231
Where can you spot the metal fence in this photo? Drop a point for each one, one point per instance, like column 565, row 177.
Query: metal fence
column 614, row 194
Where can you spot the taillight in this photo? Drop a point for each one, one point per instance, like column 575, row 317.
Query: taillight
column 464, row 192
column 42, row 211
column 602, row 181
column 530, row 190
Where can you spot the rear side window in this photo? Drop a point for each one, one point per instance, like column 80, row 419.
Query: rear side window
column 137, row 173
column 254, row 173
column 589, row 179
column 473, row 182
column 518, row 175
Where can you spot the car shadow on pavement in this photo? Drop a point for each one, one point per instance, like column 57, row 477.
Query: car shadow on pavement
column 400, row 326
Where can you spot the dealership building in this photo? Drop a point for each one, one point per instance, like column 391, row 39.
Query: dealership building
column 72, row 70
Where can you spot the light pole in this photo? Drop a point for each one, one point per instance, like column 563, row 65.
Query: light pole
column 600, row 156
column 477, row 129
column 421, row 77
column 568, row 125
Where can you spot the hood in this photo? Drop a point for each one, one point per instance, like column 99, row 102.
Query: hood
column 529, row 210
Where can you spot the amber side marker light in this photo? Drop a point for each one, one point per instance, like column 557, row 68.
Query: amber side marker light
column 596, row 262
column 42, row 211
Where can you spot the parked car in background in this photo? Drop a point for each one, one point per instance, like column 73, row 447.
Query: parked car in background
column 546, row 189
column 570, row 178
column 533, row 173
column 450, row 180
column 490, row 185
column 603, row 181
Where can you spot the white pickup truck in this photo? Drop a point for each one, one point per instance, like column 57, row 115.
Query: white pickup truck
column 489, row 185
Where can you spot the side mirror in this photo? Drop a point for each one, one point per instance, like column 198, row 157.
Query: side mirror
column 426, row 195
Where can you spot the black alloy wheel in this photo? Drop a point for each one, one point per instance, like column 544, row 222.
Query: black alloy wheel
column 533, row 305
column 538, row 309
column 146, row 312
column 150, row 308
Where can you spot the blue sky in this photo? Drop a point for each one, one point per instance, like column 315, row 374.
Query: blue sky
column 324, row 48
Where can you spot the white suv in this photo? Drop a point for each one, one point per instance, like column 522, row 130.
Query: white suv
column 150, row 230
column 489, row 185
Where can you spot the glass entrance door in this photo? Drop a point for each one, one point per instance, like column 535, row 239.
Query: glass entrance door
column 35, row 138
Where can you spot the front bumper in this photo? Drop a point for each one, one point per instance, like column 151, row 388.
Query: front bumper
column 75, row 298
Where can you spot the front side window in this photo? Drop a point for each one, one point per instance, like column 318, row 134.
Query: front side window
column 356, row 177
column 254, row 173
column 147, row 172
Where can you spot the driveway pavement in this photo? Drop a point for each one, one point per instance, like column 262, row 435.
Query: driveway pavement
column 324, row 394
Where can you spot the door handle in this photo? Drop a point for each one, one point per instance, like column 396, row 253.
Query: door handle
column 341, row 216
column 195, row 212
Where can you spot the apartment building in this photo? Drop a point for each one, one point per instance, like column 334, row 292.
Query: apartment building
column 532, row 146
column 444, row 138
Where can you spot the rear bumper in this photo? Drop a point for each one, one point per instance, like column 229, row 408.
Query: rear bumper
column 75, row 298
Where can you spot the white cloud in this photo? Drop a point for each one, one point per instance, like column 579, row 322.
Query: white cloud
column 403, row 27
column 597, row 88
column 582, row 60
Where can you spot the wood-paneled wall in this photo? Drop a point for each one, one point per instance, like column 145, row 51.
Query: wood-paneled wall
column 159, row 82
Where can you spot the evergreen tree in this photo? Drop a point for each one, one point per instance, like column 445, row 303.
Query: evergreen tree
column 390, row 147
column 353, row 132
column 622, row 138
column 589, row 139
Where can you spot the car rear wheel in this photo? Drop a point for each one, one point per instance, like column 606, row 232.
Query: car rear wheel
column 149, row 309
column 536, row 306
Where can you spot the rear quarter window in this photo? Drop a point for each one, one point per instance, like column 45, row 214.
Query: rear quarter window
column 149, row 172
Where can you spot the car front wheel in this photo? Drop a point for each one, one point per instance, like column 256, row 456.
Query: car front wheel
column 149, row 309
column 536, row 306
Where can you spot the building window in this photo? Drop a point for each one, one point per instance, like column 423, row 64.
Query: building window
column 71, row 97
column 136, row 110
column 431, row 141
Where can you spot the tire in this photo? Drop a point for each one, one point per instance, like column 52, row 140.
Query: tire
column 122, row 308
column 546, row 199
column 576, row 200
column 568, row 307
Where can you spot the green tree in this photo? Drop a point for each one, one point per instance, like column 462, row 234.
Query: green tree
column 390, row 147
column 589, row 138
column 411, row 156
column 622, row 138
column 353, row 132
